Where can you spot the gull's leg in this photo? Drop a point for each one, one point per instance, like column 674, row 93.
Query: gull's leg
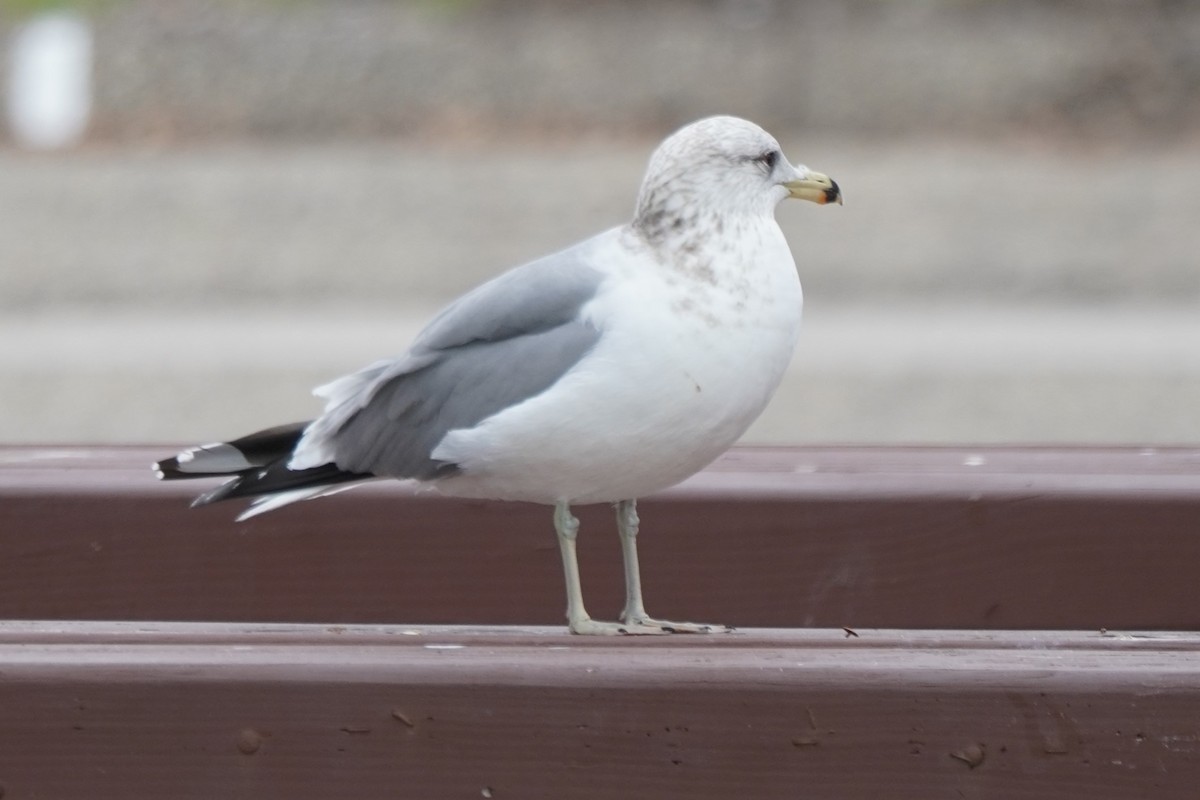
column 635, row 611
column 627, row 528
column 578, row 621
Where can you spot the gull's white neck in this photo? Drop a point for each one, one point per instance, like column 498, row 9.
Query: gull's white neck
column 711, row 246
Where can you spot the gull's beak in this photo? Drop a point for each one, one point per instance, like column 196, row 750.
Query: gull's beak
column 814, row 186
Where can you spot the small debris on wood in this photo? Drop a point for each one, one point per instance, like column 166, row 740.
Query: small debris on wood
column 248, row 741
column 1053, row 745
column 972, row 755
column 810, row 739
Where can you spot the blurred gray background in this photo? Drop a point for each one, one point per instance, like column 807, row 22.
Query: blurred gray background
column 268, row 194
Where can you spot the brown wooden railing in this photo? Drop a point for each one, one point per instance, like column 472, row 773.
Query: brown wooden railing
column 913, row 622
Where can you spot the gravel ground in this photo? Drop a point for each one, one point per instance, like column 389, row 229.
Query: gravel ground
column 194, row 70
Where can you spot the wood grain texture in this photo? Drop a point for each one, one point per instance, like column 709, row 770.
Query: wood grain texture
column 135, row 710
column 977, row 538
column 1101, row 540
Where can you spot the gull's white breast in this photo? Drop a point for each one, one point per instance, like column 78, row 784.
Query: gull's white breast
column 685, row 363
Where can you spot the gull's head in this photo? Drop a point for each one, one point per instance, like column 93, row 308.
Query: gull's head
column 724, row 166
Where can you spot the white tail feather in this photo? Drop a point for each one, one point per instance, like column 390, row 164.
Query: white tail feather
column 273, row 501
column 344, row 397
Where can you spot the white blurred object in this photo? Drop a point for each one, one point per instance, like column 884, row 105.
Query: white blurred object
column 50, row 81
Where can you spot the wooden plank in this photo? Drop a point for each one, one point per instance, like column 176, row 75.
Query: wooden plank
column 153, row 710
column 946, row 537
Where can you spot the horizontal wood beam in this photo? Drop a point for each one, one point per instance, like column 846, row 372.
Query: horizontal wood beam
column 896, row 537
column 1103, row 540
column 187, row 710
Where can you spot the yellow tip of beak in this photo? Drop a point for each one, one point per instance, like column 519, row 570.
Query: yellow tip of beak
column 815, row 187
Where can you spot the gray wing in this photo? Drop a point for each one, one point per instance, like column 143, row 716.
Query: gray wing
column 539, row 295
column 508, row 340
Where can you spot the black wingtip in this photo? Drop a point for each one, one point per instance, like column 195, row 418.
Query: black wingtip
column 167, row 469
column 254, row 466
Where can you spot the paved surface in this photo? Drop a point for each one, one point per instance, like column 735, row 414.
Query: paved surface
column 862, row 374
column 964, row 293
column 378, row 223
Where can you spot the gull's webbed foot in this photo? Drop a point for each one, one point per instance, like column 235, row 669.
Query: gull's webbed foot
column 634, row 621
column 667, row 626
column 591, row 627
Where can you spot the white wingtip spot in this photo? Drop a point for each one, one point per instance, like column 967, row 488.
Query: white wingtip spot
column 216, row 457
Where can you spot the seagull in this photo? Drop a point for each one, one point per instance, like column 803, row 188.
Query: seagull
column 609, row 370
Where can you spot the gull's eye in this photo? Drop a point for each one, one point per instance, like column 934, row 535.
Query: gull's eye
column 768, row 159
